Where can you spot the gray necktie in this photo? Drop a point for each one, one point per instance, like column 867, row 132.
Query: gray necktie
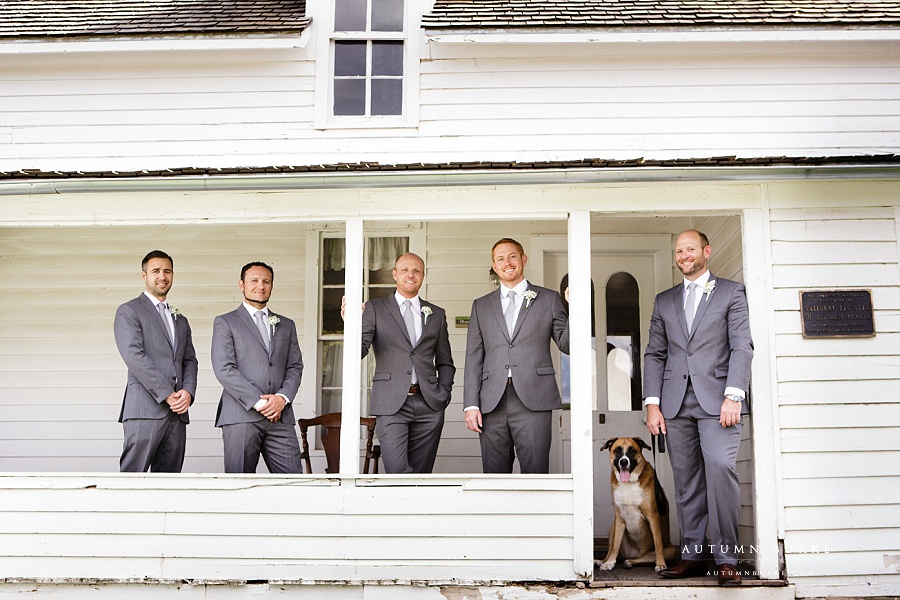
column 690, row 305
column 263, row 327
column 163, row 309
column 410, row 329
column 510, row 313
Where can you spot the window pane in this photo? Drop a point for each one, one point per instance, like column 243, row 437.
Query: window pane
column 349, row 97
column 331, row 402
column 332, row 323
column 387, row 59
column 387, row 96
column 380, row 292
column 333, row 258
column 350, row 59
column 623, row 342
column 350, row 15
column 387, row 15
column 332, row 364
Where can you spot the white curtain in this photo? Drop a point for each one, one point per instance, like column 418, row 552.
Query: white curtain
column 381, row 252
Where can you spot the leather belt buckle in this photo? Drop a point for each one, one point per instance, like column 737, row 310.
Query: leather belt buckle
column 414, row 389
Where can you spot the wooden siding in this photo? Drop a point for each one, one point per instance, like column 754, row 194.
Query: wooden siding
column 839, row 408
column 56, row 338
column 490, row 102
column 285, row 529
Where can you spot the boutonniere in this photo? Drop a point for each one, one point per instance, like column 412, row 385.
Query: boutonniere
column 426, row 312
column 529, row 296
column 709, row 288
column 273, row 321
column 176, row 312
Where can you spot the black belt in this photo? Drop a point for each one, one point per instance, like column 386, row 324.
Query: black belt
column 414, row 389
column 509, row 381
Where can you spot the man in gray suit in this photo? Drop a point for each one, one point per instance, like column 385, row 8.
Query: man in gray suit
column 510, row 382
column 154, row 340
column 414, row 370
column 696, row 375
column 257, row 359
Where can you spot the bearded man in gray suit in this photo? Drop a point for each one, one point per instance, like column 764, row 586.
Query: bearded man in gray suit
column 510, row 381
column 256, row 357
column 154, row 340
column 414, row 370
column 696, row 375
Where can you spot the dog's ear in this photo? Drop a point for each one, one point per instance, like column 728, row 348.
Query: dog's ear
column 609, row 443
column 641, row 443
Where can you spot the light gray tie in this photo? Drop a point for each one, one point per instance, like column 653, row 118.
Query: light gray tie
column 510, row 313
column 410, row 329
column 263, row 327
column 163, row 309
column 690, row 305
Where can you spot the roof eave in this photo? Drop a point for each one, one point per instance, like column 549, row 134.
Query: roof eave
column 65, row 45
column 658, row 35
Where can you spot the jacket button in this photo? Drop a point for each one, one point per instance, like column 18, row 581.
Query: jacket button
column 684, row 376
column 506, row 367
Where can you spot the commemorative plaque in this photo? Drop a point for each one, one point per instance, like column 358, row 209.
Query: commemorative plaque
column 837, row 313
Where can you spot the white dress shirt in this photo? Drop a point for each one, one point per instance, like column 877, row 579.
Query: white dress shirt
column 170, row 321
column 416, row 308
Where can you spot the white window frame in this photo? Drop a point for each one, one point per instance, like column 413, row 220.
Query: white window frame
column 323, row 20
column 312, row 394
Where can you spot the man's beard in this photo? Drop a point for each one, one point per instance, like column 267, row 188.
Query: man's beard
column 266, row 301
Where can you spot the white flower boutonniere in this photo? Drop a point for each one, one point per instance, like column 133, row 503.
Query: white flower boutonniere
column 273, row 321
column 426, row 312
column 529, row 296
column 709, row 288
column 176, row 312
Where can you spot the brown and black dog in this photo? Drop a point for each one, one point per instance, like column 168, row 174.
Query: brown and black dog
column 640, row 531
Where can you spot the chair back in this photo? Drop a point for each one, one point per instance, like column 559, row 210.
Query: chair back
column 331, row 442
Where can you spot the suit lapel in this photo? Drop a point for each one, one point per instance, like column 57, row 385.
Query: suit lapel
column 394, row 309
column 155, row 317
column 497, row 305
column 523, row 312
column 247, row 320
column 677, row 297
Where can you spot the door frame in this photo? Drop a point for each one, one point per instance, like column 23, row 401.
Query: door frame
column 767, row 488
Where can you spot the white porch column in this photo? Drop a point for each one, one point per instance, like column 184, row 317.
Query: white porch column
column 582, row 426
column 767, row 478
column 352, row 348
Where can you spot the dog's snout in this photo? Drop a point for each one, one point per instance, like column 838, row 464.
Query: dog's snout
column 623, row 462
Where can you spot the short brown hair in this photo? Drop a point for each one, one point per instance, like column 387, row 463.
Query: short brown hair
column 507, row 241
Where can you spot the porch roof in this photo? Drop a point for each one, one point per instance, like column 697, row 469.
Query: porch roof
column 890, row 160
column 568, row 14
column 42, row 19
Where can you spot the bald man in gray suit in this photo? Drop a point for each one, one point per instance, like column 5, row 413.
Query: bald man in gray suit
column 256, row 357
column 510, row 381
column 414, row 370
column 696, row 375
column 162, row 373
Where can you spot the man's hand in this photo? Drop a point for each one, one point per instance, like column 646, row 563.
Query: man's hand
column 179, row 401
column 473, row 420
column 730, row 413
column 273, row 407
column 344, row 306
column 656, row 423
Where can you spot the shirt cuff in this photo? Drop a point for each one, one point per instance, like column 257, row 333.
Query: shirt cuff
column 286, row 399
column 736, row 392
column 468, row 408
column 651, row 400
column 259, row 404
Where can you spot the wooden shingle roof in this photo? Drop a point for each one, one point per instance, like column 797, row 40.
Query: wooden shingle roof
column 505, row 14
column 21, row 19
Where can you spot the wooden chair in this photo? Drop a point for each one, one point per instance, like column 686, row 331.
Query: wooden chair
column 331, row 440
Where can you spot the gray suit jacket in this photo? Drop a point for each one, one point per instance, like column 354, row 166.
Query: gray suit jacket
column 154, row 370
column 246, row 371
column 716, row 353
column 384, row 330
column 491, row 354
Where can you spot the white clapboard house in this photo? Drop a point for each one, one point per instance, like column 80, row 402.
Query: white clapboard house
column 326, row 136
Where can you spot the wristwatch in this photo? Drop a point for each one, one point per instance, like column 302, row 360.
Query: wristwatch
column 733, row 397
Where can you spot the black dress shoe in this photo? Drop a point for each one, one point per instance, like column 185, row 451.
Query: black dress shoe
column 728, row 575
column 686, row 568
